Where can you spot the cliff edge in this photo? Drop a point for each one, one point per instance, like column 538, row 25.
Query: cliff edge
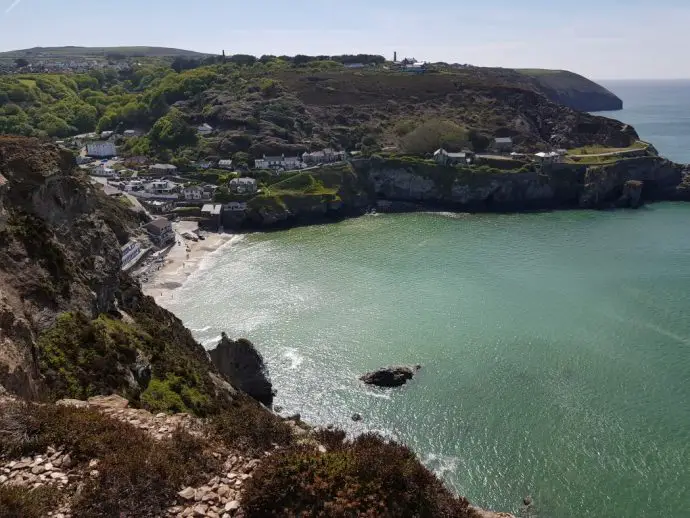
column 573, row 90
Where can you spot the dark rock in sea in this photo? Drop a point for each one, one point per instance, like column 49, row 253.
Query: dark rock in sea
column 632, row 194
column 243, row 366
column 356, row 417
column 295, row 417
column 390, row 376
column 277, row 409
column 527, row 500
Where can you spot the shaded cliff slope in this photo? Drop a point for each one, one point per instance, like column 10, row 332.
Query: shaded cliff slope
column 573, row 90
column 71, row 324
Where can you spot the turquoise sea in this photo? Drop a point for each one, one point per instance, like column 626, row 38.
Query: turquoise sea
column 555, row 346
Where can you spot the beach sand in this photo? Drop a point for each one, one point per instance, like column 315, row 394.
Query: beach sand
column 183, row 259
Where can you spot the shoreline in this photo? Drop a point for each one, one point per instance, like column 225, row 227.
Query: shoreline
column 161, row 275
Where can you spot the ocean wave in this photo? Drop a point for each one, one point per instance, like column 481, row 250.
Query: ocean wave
column 451, row 215
column 211, row 341
column 296, row 359
column 441, row 464
column 200, row 330
column 380, row 395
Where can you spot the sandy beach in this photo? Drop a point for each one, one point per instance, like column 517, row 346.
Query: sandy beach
column 161, row 278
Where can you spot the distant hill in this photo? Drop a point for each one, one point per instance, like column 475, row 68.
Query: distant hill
column 59, row 53
column 573, row 90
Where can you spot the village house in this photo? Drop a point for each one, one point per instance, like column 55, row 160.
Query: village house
column 443, row 157
column 193, row 192
column 225, row 164
column 202, row 164
column 211, row 215
column 103, row 171
column 323, row 157
column 243, row 185
column 204, row 129
column 235, row 206
column 278, row 162
column 159, row 206
column 162, row 169
column 209, row 190
column 107, row 134
column 547, row 158
column 503, row 144
column 131, row 133
column 134, row 186
column 162, row 187
column 160, row 231
column 130, row 251
column 101, row 149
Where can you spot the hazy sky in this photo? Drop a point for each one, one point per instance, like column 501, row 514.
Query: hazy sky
column 602, row 39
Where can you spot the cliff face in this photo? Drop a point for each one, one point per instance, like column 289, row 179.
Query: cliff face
column 561, row 186
column 71, row 324
column 573, row 90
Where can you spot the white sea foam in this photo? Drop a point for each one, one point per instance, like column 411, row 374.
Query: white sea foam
column 296, row 359
column 200, row 330
column 380, row 395
column 441, row 464
column 211, row 341
column 452, row 215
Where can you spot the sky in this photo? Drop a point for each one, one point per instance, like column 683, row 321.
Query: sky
column 601, row 39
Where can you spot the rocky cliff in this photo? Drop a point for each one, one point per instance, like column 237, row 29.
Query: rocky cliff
column 71, row 324
column 573, row 90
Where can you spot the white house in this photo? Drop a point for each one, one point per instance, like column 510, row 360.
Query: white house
column 163, row 187
column 107, row 134
column 548, row 158
column 101, row 149
column 225, row 164
column 243, row 185
column 504, row 144
column 443, row 157
column 204, row 129
column 323, row 157
column 193, row 192
column 102, row 170
column 278, row 162
column 130, row 251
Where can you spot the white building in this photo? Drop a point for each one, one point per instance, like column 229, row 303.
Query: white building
column 243, row 185
column 548, row 158
column 162, row 187
column 101, row 149
column 107, row 134
column 102, row 170
column 204, row 129
column 130, row 251
column 225, row 164
column 285, row 163
column 323, row 157
column 193, row 192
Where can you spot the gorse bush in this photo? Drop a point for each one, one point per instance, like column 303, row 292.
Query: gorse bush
column 367, row 477
column 23, row 502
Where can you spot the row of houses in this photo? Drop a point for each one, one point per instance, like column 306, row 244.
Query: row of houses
column 289, row 163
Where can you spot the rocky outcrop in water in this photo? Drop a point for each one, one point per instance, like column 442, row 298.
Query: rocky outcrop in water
column 244, row 368
column 390, row 376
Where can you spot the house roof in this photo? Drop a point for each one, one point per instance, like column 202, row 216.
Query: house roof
column 157, row 225
column 503, row 140
column 242, row 180
column 225, row 162
column 162, row 166
column 211, row 209
column 551, row 154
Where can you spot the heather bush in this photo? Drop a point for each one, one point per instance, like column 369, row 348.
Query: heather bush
column 366, row 477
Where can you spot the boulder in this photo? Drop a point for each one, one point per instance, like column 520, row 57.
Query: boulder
column 390, row 376
column 244, row 368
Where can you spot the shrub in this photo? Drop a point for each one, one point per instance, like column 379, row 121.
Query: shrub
column 250, row 427
column 138, row 476
column 364, row 477
column 27, row 503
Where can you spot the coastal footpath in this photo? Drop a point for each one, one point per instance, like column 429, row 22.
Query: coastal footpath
column 147, row 424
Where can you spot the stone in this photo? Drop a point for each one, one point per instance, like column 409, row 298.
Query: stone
column 295, row 417
column 48, row 466
column 243, row 366
column 211, row 514
column 160, row 416
column 225, row 515
column 277, row 409
column 214, row 481
column 232, row 506
column 322, row 448
column 93, row 463
column 187, row 493
column 56, row 475
column 93, row 473
column 113, row 401
column 223, row 490
column 67, row 461
column 73, row 403
column 356, row 417
column 37, row 470
column 200, row 510
column 389, row 376
column 3, row 479
column 209, row 496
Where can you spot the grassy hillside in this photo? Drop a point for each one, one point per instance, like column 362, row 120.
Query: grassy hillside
column 76, row 53
column 272, row 106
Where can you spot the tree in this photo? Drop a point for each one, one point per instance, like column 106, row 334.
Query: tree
column 173, row 131
column 21, row 62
